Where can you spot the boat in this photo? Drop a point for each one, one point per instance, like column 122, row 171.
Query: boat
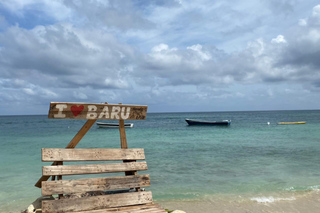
column 208, row 123
column 288, row 123
column 113, row 125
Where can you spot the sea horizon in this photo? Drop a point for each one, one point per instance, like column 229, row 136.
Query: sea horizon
column 170, row 112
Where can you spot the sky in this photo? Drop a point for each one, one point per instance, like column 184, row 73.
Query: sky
column 172, row 55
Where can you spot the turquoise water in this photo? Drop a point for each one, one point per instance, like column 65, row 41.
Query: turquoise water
column 248, row 158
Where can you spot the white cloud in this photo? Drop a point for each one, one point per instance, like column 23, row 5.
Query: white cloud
column 29, row 91
column 48, row 93
column 80, row 95
column 256, row 47
column 205, row 56
column 302, row 22
column 73, row 56
column 174, row 51
column 313, row 35
column 316, row 11
column 119, row 83
column 279, row 39
column 160, row 48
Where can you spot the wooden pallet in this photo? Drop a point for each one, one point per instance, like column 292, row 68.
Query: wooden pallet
column 134, row 200
column 121, row 193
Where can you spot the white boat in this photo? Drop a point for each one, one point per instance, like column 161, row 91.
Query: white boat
column 113, row 125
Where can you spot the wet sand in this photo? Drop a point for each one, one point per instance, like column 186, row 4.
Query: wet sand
column 306, row 203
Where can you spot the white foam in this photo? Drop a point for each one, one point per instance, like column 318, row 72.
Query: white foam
column 290, row 189
column 270, row 199
column 309, row 188
column 314, row 188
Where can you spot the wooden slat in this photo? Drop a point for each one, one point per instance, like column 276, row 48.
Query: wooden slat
column 123, row 137
column 93, row 168
column 124, row 144
column 96, row 202
column 146, row 208
column 94, row 184
column 84, row 129
column 92, row 154
column 59, row 178
column 72, row 144
column 97, row 111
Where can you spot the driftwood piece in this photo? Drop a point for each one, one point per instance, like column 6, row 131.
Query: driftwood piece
column 93, row 168
column 94, row 184
column 92, row 154
column 147, row 208
column 96, row 202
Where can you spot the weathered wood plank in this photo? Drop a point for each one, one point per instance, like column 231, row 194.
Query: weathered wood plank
column 92, row 154
column 96, row 202
column 97, row 111
column 59, row 178
column 84, row 129
column 72, row 144
column 123, row 137
column 124, row 144
column 146, row 208
column 93, row 168
column 94, row 184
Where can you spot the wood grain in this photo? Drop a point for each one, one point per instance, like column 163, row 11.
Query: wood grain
column 92, row 154
column 96, row 202
column 123, row 137
column 93, row 168
column 72, row 144
column 146, row 208
column 94, row 184
column 82, row 132
column 61, row 110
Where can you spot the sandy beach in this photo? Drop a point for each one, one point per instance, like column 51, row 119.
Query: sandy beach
column 304, row 203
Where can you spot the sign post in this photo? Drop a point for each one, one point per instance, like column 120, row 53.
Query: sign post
column 92, row 112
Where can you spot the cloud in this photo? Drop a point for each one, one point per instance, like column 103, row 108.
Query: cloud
column 193, row 65
column 63, row 56
column 294, row 59
column 160, row 52
column 281, row 6
column 279, row 39
column 316, row 12
column 302, row 53
column 109, row 14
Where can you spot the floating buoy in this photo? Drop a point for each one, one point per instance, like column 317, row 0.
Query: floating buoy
column 268, row 123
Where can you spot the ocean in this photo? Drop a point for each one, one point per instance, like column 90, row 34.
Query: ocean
column 248, row 161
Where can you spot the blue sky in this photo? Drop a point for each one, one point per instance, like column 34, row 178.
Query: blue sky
column 170, row 55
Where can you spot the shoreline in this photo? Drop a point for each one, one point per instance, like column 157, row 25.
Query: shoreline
column 301, row 202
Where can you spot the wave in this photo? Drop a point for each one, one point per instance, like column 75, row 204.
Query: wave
column 271, row 199
column 314, row 188
column 307, row 188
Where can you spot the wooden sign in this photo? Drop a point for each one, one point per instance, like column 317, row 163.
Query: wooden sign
column 97, row 111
